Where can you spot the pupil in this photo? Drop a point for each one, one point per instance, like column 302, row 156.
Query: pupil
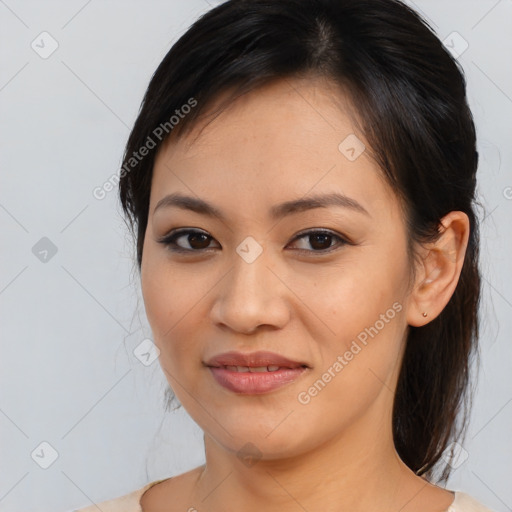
column 324, row 241
column 201, row 239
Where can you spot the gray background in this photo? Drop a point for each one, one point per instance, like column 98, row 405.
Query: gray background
column 71, row 320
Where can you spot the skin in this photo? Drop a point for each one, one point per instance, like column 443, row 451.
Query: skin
column 336, row 452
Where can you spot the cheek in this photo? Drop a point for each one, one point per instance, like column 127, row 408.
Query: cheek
column 359, row 363
column 174, row 304
column 350, row 297
column 362, row 304
column 165, row 295
column 159, row 302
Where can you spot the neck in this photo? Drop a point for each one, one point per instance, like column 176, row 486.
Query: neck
column 350, row 472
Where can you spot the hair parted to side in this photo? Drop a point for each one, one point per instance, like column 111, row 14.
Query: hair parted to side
column 410, row 97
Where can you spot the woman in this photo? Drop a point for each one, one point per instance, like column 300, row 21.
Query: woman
column 300, row 181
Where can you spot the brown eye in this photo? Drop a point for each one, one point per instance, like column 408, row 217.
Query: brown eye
column 319, row 241
column 187, row 241
column 198, row 240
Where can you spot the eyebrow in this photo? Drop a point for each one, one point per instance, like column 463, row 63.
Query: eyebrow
column 276, row 212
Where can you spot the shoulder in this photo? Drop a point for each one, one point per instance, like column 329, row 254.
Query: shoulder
column 177, row 490
column 466, row 503
column 126, row 503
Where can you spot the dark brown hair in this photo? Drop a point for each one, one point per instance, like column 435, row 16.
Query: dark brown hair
column 410, row 95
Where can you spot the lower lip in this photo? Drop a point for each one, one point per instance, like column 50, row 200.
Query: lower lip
column 255, row 383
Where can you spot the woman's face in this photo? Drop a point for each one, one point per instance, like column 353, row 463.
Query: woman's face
column 324, row 286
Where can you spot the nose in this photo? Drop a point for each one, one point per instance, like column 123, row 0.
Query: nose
column 251, row 296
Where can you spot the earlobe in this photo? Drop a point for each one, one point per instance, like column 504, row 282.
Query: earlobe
column 439, row 270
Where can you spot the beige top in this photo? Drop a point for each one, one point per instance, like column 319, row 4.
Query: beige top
column 131, row 502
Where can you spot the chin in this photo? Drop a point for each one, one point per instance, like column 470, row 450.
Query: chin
column 268, row 440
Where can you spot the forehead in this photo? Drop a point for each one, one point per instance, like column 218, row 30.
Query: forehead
column 287, row 102
column 287, row 137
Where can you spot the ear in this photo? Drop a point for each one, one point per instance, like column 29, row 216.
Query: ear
column 438, row 272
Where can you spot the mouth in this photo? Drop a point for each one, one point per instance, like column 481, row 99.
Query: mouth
column 254, row 373
column 254, row 362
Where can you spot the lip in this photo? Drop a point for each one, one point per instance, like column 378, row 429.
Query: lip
column 249, row 382
column 253, row 359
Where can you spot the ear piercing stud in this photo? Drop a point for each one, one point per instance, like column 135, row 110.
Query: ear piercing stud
column 424, row 313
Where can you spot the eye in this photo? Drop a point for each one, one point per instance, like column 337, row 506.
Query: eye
column 192, row 240
column 320, row 240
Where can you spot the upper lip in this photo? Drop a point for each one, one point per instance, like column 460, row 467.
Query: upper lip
column 253, row 359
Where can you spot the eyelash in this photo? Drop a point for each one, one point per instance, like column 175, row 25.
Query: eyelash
column 169, row 240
